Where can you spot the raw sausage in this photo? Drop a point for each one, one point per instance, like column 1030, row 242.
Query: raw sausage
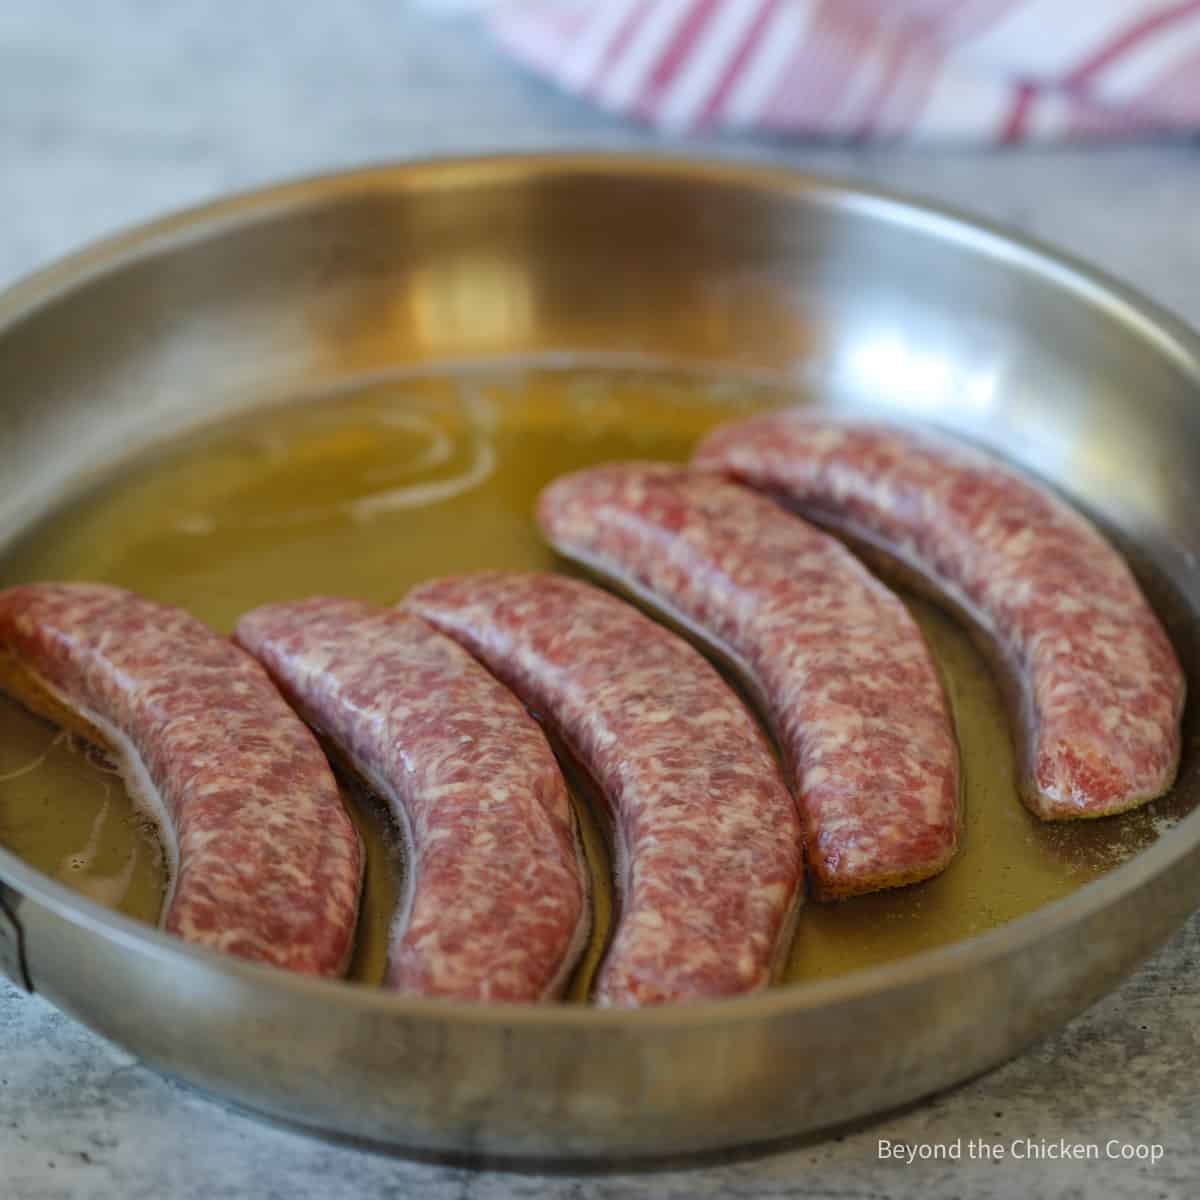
column 833, row 656
column 707, row 852
column 495, row 906
column 265, row 862
column 1096, row 687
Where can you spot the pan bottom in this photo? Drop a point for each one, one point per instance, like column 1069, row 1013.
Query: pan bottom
column 399, row 478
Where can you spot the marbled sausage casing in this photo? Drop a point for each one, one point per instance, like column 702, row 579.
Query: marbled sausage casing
column 706, row 836
column 835, row 659
column 1098, row 690
column 495, row 907
column 266, row 863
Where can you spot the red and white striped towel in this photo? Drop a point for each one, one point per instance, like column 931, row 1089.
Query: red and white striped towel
column 981, row 70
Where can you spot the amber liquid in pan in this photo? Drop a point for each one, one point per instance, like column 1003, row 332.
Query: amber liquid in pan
column 371, row 490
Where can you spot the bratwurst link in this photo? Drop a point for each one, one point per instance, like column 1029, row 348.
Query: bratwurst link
column 705, row 835
column 265, row 862
column 834, row 658
column 495, row 906
column 1097, row 688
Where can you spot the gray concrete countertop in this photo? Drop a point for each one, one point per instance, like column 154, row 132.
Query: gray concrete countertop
column 113, row 113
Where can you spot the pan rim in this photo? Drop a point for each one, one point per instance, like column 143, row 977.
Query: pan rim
column 1168, row 335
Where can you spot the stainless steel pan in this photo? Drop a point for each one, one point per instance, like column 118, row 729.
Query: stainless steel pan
column 872, row 300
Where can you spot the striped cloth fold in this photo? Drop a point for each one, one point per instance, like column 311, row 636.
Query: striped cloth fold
column 994, row 71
